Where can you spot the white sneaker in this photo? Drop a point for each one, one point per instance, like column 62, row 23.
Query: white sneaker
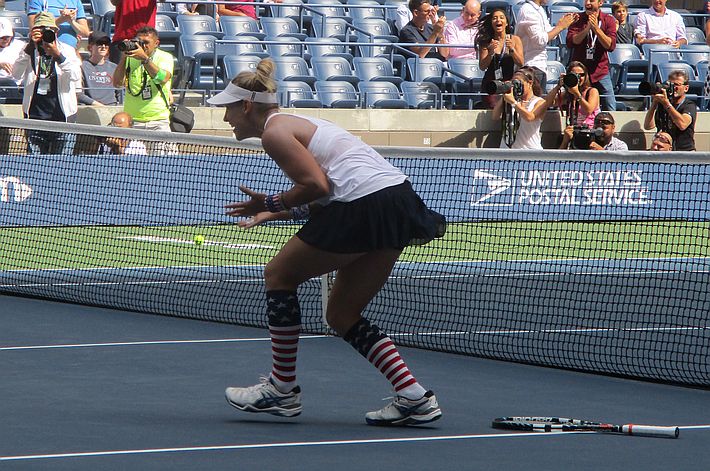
column 264, row 397
column 403, row 411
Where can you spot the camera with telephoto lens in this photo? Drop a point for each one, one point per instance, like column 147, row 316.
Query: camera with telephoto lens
column 498, row 87
column 129, row 45
column 583, row 136
column 648, row 88
column 48, row 35
column 570, row 80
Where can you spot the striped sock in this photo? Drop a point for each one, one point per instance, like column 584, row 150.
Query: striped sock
column 284, row 327
column 379, row 350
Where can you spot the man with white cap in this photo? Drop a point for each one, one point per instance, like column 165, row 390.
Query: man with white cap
column 10, row 49
column 49, row 71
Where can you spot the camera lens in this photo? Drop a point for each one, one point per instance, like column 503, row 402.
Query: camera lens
column 48, row 35
column 570, row 80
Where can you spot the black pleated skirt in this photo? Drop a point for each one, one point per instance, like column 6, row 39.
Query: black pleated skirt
column 391, row 218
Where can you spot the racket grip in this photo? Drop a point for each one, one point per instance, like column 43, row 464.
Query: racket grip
column 650, row 431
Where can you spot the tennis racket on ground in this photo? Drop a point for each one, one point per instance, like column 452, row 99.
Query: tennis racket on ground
column 561, row 424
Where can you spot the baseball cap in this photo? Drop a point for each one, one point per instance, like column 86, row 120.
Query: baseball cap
column 45, row 19
column 6, row 28
column 99, row 37
column 604, row 116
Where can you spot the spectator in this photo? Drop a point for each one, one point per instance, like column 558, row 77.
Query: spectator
column 49, row 71
column 530, row 109
column 706, row 11
column 97, row 73
column 581, row 101
column 463, row 30
column 662, row 141
column 672, row 112
column 122, row 146
column 624, row 29
column 146, row 72
column 10, row 50
column 499, row 51
column 589, row 40
column 236, row 10
column 404, row 15
column 69, row 15
column 420, row 30
column 130, row 16
column 535, row 31
column 659, row 25
column 606, row 141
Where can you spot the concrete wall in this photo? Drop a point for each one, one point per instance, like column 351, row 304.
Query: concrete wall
column 419, row 128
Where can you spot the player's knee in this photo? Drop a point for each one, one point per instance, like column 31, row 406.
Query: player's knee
column 276, row 277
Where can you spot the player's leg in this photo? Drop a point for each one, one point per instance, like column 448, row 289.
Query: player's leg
column 355, row 286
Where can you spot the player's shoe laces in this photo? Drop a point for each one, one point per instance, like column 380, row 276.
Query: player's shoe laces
column 403, row 411
column 264, row 397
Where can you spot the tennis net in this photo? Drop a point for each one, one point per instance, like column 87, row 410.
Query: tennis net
column 586, row 261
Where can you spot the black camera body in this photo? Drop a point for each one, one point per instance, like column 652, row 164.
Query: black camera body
column 570, row 80
column 648, row 88
column 48, row 35
column 583, row 136
column 129, row 45
column 498, row 87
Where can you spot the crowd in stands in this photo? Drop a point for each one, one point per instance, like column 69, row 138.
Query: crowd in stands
column 501, row 55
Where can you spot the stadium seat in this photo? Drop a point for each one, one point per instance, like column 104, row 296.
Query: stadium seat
column 294, row 94
column 193, row 25
column 632, row 73
column 103, row 15
column 380, row 95
column 18, row 5
column 328, row 9
column 383, row 48
column 376, row 69
column 326, row 47
column 292, row 68
column 19, row 20
column 695, row 87
column 198, row 51
column 554, row 71
column 241, row 26
column 362, row 9
column 168, row 34
column 369, row 28
column 293, row 10
column 337, row 28
column 337, row 94
column 421, row 95
column 618, row 56
column 282, row 27
column 167, row 9
column 695, row 53
column 286, row 47
column 244, row 46
column 326, row 68
column 467, row 76
column 695, row 35
column 429, row 70
column 233, row 65
column 488, row 5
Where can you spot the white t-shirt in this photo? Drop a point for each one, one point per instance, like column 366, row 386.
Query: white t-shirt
column 353, row 168
column 528, row 135
column 532, row 27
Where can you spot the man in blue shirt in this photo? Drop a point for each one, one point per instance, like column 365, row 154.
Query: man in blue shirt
column 69, row 14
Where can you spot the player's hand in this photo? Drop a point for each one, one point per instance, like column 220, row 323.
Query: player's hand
column 257, row 219
column 251, row 207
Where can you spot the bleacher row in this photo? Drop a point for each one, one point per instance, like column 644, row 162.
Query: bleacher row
column 334, row 54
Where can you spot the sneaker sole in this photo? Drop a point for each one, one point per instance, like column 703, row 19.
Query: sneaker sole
column 411, row 420
column 278, row 411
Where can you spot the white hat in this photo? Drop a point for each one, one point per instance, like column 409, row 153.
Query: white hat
column 6, row 28
column 233, row 94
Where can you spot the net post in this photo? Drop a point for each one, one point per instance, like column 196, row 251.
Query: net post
column 326, row 284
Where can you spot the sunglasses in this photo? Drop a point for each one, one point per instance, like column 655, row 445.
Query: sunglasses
column 604, row 122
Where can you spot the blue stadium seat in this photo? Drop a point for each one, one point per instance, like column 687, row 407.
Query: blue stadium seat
column 293, row 68
column 293, row 10
column 282, row 27
column 168, row 34
column 554, row 71
column 103, row 15
column 294, row 94
column 328, row 9
column 18, row 19
column 289, row 47
column 421, row 95
column 19, row 5
column 198, row 51
column 377, row 69
column 193, row 25
column 374, row 28
column 695, row 53
column 233, row 65
column 333, row 27
column 467, row 83
column 328, row 68
column 380, row 95
column 325, row 47
column 362, row 9
column 241, row 26
column 337, row 94
column 167, row 9
column 244, row 46
column 695, row 35
column 618, row 56
column 429, row 70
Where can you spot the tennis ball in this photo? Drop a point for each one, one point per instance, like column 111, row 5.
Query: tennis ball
column 199, row 239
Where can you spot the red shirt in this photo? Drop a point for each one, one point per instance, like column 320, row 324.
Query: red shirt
column 248, row 10
column 598, row 66
column 132, row 15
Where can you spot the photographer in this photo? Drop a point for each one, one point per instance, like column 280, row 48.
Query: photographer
column 527, row 109
column 49, row 71
column 577, row 97
column 671, row 111
column 146, row 72
column 600, row 137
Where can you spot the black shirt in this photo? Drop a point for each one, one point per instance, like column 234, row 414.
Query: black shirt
column 45, row 100
column 411, row 34
column 682, row 140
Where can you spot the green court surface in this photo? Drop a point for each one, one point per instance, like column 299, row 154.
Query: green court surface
column 33, row 248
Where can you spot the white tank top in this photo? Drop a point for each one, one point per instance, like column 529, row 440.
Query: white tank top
column 528, row 135
column 353, row 168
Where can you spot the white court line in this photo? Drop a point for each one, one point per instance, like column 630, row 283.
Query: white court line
column 287, row 445
column 152, row 342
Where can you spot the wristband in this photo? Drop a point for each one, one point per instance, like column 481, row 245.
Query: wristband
column 160, row 76
column 300, row 213
column 274, row 204
column 145, row 61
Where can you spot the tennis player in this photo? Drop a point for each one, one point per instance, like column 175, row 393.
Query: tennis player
column 361, row 212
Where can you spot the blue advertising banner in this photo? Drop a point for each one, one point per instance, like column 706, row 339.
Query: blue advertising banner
column 139, row 190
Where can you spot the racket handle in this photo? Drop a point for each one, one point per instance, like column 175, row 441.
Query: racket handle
column 650, row 431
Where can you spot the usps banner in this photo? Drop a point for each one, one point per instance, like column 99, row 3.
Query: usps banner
column 551, row 190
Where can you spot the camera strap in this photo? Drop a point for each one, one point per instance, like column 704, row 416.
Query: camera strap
column 128, row 81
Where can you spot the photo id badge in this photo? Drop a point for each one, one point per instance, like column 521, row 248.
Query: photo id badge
column 590, row 53
column 499, row 74
column 147, row 93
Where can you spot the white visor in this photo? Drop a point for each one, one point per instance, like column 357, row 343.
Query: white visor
column 233, row 94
